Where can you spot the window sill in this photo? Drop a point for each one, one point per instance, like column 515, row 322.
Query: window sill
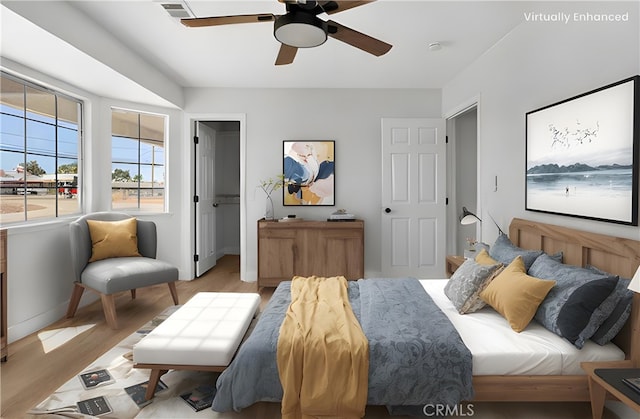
column 30, row 226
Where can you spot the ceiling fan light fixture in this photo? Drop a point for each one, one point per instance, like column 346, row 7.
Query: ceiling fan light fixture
column 300, row 30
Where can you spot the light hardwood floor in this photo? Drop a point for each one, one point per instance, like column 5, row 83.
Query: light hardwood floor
column 30, row 374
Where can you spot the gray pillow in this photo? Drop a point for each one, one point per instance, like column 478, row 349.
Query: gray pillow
column 505, row 252
column 466, row 283
column 558, row 257
column 622, row 298
column 576, row 307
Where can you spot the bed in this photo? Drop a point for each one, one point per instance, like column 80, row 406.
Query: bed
column 532, row 381
column 619, row 256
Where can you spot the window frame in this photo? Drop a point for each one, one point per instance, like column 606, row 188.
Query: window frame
column 57, row 154
column 139, row 162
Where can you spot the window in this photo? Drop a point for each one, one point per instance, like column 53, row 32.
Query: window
column 40, row 140
column 137, row 160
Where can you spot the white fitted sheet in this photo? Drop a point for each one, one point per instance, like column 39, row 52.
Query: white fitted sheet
column 498, row 350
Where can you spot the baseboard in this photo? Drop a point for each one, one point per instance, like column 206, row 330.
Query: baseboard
column 250, row 276
column 27, row 327
column 227, row 251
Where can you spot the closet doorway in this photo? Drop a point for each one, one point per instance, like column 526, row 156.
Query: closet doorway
column 217, row 192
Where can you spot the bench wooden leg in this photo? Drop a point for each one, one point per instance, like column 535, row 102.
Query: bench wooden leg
column 154, row 378
column 133, row 294
column 109, row 308
column 174, row 292
column 75, row 300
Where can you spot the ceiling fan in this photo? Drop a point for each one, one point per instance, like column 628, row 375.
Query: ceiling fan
column 301, row 27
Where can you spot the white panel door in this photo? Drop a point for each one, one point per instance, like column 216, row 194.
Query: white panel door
column 206, row 192
column 413, row 197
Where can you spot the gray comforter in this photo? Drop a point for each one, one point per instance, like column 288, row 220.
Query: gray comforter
column 416, row 355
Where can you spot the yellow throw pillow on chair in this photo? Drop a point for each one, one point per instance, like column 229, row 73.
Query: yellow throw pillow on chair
column 110, row 239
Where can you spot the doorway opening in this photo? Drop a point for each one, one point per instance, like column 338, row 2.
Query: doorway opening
column 463, row 184
column 217, row 192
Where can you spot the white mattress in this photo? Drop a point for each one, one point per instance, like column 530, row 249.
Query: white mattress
column 498, row 350
column 207, row 330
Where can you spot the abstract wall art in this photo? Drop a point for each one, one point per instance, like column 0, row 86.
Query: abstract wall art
column 309, row 173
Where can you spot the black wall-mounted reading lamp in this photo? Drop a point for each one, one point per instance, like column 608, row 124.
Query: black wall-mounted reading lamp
column 468, row 217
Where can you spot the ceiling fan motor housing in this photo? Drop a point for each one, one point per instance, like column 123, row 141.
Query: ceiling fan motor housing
column 300, row 30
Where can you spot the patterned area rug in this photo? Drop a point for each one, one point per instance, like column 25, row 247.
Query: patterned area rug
column 118, row 362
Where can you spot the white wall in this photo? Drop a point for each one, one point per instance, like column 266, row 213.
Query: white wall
column 538, row 64
column 72, row 26
column 40, row 278
column 351, row 117
column 173, row 246
column 37, row 293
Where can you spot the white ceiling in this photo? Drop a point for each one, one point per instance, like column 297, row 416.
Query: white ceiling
column 243, row 55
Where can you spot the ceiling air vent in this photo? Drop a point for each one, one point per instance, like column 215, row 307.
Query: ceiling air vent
column 177, row 10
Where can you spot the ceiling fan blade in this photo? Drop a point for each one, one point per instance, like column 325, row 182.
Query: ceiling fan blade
column 286, row 54
column 335, row 6
column 227, row 20
column 358, row 39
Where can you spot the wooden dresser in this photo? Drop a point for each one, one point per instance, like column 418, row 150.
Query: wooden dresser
column 305, row 248
column 3, row 295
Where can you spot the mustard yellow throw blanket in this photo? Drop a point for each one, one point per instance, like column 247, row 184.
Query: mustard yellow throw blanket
column 323, row 355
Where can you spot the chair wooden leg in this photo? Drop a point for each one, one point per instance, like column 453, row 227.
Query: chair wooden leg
column 133, row 294
column 174, row 292
column 109, row 307
column 75, row 300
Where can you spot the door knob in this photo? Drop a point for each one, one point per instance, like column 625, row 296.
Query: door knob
column 387, row 210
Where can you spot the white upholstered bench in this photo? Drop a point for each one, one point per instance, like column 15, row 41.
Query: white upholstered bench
column 202, row 335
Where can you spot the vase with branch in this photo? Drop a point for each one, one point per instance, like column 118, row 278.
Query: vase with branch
column 470, row 251
column 269, row 186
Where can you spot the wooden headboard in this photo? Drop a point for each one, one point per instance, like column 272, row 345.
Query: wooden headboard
column 611, row 254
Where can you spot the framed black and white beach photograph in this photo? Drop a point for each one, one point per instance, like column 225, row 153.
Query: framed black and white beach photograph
column 582, row 155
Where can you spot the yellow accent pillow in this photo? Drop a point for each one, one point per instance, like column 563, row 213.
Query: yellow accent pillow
column 112, row 239
column 483, row 258
column 516, row 295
